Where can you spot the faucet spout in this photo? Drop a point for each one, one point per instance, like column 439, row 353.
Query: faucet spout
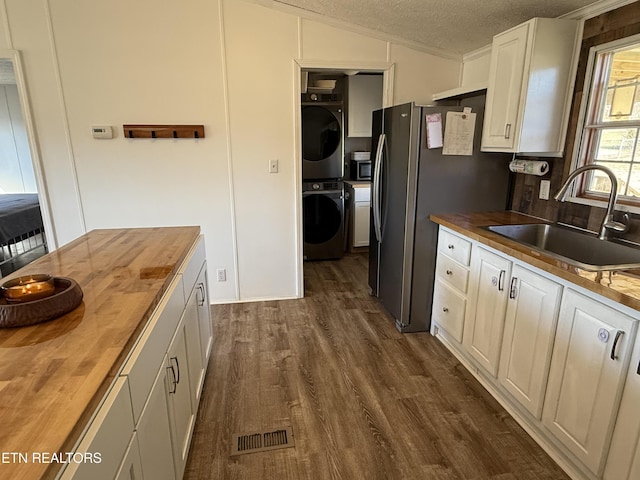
column 608, row 223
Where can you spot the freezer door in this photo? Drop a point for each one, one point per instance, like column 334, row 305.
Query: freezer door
column 376, row 132
column 397, row 203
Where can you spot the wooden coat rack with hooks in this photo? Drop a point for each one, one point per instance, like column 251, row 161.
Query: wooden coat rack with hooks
column 163, row 131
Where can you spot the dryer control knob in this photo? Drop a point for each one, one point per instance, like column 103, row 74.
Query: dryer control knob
column 316, row 186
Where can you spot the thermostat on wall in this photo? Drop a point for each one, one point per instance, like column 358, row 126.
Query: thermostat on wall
column 102, row 131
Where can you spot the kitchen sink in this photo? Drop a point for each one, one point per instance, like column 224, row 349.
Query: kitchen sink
column 577, row 248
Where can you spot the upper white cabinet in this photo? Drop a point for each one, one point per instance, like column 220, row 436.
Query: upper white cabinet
column 530, row 85
column 588, row 367
column 623, row 462
column 364, row 96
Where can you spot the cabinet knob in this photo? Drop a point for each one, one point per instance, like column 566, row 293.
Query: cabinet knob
column 445, row 309
column 619, row 333
column 449, row 272
column 450, row 247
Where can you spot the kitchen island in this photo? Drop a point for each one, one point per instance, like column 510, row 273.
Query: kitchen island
column 55, row 375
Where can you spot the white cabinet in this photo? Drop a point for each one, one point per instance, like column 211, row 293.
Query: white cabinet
column 154, row 434
column 359, row 213
column 194, row 347
column 623, row 462
column 530, row 323
column 131, row 466
column 364, row 96
column 451, row 281
column 179, row 398
column 108, row 436
column 204, row 316
column 588, row 368
column 529, row 92
column 484, row 318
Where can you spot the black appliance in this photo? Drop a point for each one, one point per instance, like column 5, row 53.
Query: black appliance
column 323, row 220
column 410, row 182
column 360, row 170
column 322, row 137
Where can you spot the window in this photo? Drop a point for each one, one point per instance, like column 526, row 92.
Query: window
column 611, row 131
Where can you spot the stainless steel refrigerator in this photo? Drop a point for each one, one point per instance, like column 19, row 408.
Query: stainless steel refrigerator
column 409, row 182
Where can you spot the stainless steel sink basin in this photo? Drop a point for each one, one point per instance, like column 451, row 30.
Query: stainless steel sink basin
column 575, row 247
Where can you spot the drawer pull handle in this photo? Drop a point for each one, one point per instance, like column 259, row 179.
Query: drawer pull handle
column 177, row 367
column 501, row 281
column 450, row 247
column 507, row 130
column 513, row 291
column 200, row 301
column 173, row 374
column 445, row 309
column 449, row 272
column 619, row 333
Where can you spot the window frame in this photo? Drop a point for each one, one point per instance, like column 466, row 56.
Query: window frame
column 583, row 140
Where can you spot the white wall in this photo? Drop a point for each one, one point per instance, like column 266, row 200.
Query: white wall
column 161, row 61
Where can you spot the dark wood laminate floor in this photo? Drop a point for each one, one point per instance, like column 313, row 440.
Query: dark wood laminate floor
column 364, row 401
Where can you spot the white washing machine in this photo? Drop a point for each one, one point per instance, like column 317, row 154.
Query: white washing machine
column 323, row 220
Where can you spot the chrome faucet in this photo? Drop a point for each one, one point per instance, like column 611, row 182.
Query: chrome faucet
column 608, row 223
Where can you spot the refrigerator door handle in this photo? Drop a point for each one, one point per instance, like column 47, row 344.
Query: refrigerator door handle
column 376, row 189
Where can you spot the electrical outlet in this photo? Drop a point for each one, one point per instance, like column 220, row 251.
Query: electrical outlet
column 545, row 185
column 221, row 274
column 273, row 166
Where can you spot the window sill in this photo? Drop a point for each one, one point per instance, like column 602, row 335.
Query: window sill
column 621, row 207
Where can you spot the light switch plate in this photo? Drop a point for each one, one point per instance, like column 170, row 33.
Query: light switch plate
column 545, row 185
column 273, row 166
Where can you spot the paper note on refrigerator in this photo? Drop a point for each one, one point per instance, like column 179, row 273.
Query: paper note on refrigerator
column 434, row 130
column 458, row 133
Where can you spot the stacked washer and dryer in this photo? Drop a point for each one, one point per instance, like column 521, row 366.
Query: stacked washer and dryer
column 322, row 172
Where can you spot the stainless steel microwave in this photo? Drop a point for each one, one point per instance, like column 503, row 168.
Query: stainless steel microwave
column 360, row 170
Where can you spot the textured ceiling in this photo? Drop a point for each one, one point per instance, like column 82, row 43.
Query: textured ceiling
column 456, row 26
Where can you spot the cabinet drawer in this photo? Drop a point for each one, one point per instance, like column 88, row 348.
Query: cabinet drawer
column 108, row 435
column 453, row 273
column 454, row 247
column 192, row 265
column 448, row 309
column 362, row 194
column 148, row 353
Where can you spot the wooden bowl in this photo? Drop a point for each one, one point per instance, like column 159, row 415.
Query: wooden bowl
column 67, row 296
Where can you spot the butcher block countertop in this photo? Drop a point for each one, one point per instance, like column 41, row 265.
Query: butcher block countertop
column 620, row 286
column 53, row 375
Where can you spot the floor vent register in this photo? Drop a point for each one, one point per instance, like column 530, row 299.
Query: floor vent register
column 261, row 442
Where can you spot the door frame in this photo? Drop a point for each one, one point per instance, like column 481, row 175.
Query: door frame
column 387, row 69
column 43, row 196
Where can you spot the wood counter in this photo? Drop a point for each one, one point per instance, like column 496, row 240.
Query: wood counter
column 620, row 286
column 53, row 375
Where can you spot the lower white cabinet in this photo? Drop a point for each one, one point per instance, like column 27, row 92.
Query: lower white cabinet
column 623, row 462
column 179, row 394
column 154, row 433
column 204, row 316
column 487, row 300
column 194, row 347
column 131, row 466
column 529, row 330
column 588, row 368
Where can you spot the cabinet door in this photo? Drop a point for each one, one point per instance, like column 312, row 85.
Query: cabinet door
column 506, row 74
column 623, row 462
column 484, row 318
column 178, row 390
column 590, row 359
column 204, row 316
column 530, row 323
column 194, row 346
column 361, row 224
column 154, row 434
column 131, row 467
